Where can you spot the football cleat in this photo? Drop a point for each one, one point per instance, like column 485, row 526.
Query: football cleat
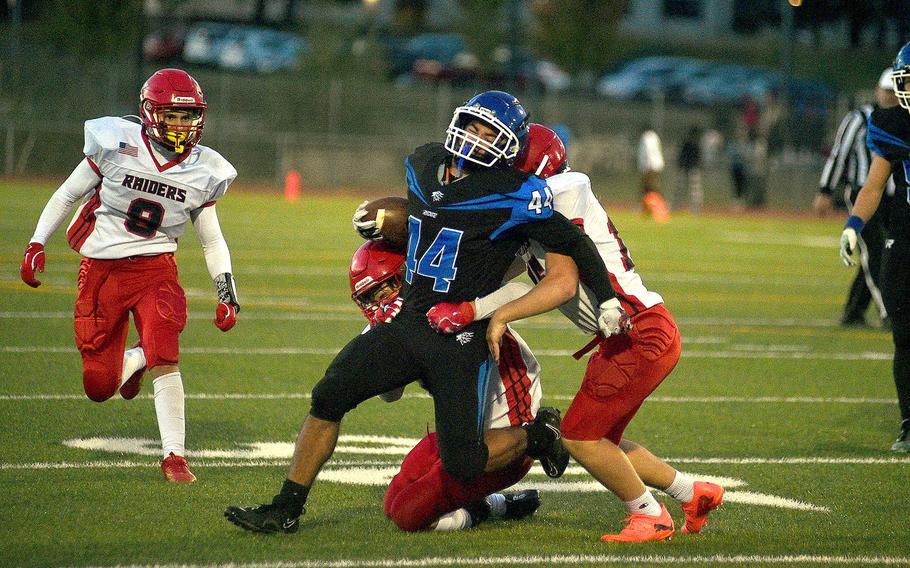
column 176, row 470
column 643, row 528
column 553, row 457
column 131, row 386
column 902, row 444
column 269, row 518
column 522, row 504
column 705, row 498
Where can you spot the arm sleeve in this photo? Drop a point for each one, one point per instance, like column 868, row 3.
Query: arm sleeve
column 485, row 306
column 79, row 184
column 214, row 247
column 844, row 142
column 558, row 234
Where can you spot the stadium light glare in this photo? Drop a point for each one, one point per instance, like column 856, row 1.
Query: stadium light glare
column 796, row 3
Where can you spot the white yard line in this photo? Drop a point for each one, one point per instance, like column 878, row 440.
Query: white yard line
column 791, row 352
column 421, row 395
column 553, row 560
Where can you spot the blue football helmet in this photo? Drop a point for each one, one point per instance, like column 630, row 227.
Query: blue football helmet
column 901, row 76
column 501, row 113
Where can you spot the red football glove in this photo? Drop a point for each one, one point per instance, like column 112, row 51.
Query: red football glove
column 225, row 316
column 386, row 311
column 448, row 318
column 31, row 262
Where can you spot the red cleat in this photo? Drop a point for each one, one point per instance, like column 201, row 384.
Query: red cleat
column 642, row 528
column 176, row 470
column 706, row 498
column 131, row 387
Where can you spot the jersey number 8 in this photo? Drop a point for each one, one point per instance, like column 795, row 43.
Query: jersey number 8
column 143, row 217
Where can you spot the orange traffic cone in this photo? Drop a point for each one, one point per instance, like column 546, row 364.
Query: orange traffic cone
column 655, row 204
column 292, row 186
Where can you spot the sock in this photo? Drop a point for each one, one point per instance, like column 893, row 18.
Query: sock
column 479, row 512
column 169, row 408
column 454, row 521
column 497, row 503
column 644, row 505
column 682, row 489
column 133, row 360
column 292, row 497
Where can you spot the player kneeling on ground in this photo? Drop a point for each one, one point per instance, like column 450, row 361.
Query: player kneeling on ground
column 142, row 179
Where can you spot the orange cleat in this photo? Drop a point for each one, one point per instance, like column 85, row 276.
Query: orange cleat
column 176, row 470
column 131, row 387
column 706, row 497
column 642, row 528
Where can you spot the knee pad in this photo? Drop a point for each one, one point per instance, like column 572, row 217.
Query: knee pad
column 100, row 383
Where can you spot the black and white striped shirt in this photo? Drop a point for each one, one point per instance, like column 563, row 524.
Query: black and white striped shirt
column 849, row 160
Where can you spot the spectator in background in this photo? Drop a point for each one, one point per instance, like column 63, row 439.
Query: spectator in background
column 650, row 166
column 688, row 183
column 848, row 166
column 738, row 150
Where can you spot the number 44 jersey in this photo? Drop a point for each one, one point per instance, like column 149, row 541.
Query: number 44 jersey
column 144, row 198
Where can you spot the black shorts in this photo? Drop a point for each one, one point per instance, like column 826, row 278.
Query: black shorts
column 455, row 369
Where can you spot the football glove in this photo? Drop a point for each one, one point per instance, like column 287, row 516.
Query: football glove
column 386, row 311
column 847, row 246
column 367, row 229
column 228, row 305
column 32, row 261
column 448, row 318
column 613, row 320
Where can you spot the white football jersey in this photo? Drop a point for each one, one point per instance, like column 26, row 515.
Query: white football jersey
column 514, row 398
column 142, row 202
column 573, row 197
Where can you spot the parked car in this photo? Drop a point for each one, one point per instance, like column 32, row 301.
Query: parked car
column 203, row 41
column 442, row 48
column 164, row 45
column 261, row 50
column 646, row 77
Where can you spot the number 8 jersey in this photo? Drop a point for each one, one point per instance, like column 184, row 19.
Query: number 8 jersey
column 144, row 197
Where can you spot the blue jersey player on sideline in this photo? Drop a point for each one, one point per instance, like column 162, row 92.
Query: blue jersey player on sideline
column 889, row 140
column 469, row 213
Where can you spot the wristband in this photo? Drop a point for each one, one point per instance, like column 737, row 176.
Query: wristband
column 855, row 223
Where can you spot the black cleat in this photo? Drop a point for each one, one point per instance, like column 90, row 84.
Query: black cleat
column 522, row 504
column 263, row 519
column 547, row 442
column 902, row 444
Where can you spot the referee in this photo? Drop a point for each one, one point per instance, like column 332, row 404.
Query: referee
column 848, row 166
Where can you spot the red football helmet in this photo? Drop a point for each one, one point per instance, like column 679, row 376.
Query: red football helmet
column 172, row 89
column 375, row 277
column 543, row 153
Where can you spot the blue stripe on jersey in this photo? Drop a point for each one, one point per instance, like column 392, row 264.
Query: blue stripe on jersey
column 483, row 382
column 413, row 186
column 876, row 133
column 530, row 202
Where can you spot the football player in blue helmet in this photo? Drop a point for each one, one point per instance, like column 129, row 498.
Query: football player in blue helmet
column 901, row 76
column 888, row 139
column 488, row 130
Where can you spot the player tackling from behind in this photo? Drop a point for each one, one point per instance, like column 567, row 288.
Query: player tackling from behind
column 422, row 495
column 141, row 180
column 622, row 373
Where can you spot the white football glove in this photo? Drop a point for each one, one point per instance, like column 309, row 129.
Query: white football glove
column 367, row 229
column 613, row 320
column 847, row 246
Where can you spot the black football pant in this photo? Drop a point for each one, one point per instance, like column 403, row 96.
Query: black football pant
column 896, row 292
column 867, row 284
column 455, row 369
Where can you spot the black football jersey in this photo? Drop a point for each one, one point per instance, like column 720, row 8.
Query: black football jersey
column 888, row 135
column 462, row 236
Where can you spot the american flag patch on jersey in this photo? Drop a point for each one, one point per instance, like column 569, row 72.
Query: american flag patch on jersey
column 128, row 150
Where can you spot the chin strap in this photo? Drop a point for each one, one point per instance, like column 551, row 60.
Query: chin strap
column 227, row 289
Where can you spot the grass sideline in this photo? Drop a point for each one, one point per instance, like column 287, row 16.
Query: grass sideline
column 770, row 395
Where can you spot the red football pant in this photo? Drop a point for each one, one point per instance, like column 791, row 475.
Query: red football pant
column 623, row 372
column 109, row 290
column 422, row 491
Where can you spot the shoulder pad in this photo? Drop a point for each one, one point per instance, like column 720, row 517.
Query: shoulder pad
column 889, row 133
column 105, row 133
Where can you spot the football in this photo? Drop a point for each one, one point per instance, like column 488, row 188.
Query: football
column 391, row 215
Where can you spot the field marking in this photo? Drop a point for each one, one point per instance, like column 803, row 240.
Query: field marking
column 550, row 560
column 338, row 313
column 688, row 354
column 423, row 395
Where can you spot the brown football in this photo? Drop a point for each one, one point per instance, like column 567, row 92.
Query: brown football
column 391, row 215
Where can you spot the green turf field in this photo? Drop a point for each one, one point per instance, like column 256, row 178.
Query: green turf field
column 794, row 414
